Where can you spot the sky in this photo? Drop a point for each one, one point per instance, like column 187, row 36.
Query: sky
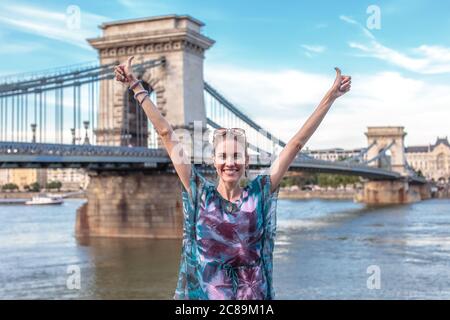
column 275, row 59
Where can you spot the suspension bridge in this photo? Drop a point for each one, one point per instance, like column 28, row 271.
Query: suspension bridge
column 78, row 116
column 27, row 112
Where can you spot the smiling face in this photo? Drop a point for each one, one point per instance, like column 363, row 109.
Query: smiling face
column 230, row 158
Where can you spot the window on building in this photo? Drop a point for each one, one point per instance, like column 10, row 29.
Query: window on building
column 440, row 162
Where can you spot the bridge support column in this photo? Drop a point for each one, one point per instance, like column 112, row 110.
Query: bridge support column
column 424, row 190
column 178, row 85
column 389, row 192
column 132, row 204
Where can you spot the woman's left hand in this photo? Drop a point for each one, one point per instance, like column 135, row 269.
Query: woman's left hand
column 341, row 85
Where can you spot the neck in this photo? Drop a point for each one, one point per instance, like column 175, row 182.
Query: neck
column 229, row 191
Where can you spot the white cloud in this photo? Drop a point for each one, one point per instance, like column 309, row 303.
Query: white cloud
column 8, row 47
column 15, row 48
column 425, row 59
column 348, row 19
column 321, row 26
column 281, row 101
column 281, row 90
column 437, row 53
column 50, row 24
column 314, row 48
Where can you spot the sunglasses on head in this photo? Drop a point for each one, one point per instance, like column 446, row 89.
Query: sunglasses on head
column 233, row 131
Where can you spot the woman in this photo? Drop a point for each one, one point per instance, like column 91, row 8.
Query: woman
column 229, row 231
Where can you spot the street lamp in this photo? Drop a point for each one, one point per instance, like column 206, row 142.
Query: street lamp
column 86, row 127
column 33, row 130
column 126, row 138
column 72, row 131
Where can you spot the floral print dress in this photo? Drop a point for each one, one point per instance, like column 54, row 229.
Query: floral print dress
column 227, row 246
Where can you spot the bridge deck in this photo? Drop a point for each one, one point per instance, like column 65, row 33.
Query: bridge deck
column 40, row 155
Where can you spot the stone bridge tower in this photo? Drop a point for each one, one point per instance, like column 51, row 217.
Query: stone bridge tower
column 396, row 191
column 383, row 136
column 178, row 84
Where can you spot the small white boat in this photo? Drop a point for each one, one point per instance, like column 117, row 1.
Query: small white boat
column 46, row 200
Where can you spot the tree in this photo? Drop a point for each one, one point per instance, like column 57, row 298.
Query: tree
column 35, row 187
column 54, row 185
column 336, row 180
column 10, row 186
column 322, row 179
column 299, row 180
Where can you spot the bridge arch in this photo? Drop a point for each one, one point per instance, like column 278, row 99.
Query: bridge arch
column 135, row 126
column 385, row 162
column 387, row 138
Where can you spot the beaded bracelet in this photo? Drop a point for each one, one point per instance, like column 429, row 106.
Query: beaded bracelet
column 145, row 96
column 134, row 84
column 139, row 92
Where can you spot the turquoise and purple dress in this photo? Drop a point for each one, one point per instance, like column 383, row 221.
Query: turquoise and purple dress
column 227, row 246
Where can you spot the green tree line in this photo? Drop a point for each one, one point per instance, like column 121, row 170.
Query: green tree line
column 33, row 187
column 320, row 179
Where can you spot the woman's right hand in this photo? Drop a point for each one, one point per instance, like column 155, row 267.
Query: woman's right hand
column 124, row 72
column 342, row 84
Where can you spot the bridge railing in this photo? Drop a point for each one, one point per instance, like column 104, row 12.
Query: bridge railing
column 23, row 148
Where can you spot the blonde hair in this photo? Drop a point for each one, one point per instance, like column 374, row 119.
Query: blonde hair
column 229, row 136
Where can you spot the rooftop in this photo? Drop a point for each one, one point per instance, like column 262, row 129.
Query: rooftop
column 429, row 148
column 155, row 18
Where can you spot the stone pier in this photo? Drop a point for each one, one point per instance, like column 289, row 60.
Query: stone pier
column 388, row 192
column 132, row 204
column 392, row 192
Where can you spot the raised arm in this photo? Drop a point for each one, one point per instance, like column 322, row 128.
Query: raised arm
column 278, row 169
column 181, row 162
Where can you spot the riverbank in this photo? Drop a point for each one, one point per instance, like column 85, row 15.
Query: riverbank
column 283, row 194
column 337, row 194
column 317, row 194
column 29, row 195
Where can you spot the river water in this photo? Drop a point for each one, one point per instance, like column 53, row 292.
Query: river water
column 325, row 249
